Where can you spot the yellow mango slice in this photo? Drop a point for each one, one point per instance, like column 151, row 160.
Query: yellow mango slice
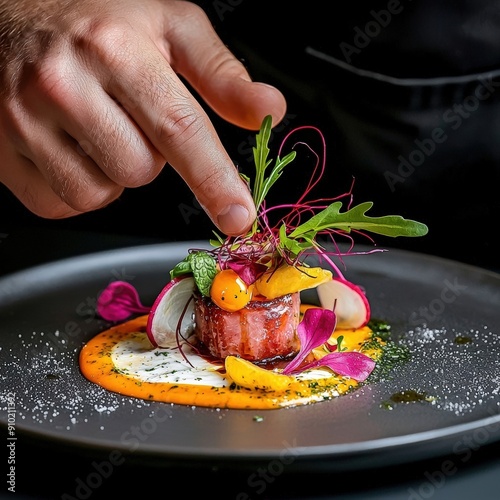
column 246, row 374
column 290, row 279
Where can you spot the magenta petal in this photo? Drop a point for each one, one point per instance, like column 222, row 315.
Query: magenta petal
column 315, row 329
column 118, row 301
column 349, row 364
column 248, row 272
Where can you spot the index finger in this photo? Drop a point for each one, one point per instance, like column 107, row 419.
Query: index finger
column 140, row 78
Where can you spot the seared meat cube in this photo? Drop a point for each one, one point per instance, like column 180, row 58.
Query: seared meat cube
column 263, row 330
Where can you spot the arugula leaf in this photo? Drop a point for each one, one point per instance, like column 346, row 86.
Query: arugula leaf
column 260, row 154
column 292, row 246
column 263, row 184
column 356, row 218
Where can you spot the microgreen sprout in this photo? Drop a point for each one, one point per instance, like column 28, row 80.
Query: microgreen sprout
column 340, row 339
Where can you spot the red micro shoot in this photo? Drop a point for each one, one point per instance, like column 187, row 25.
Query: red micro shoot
column 262, row 249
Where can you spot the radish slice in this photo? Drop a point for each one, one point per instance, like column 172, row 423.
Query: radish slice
column 347, row 300
column 173, row 303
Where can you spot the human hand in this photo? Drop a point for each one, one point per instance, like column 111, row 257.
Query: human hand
column 92, row 103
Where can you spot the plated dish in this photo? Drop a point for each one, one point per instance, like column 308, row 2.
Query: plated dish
column 445, row 312
column 230, row 329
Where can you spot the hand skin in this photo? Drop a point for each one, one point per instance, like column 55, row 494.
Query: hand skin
column 91, row 103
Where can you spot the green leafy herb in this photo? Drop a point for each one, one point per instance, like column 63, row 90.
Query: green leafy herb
column 204, row 271
column 340, row 348
column 183, row 267
column 203, row 268
column 331, row 218
column 355, row 218
column 263, row 184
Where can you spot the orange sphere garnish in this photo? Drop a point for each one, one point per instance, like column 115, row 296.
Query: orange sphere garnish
column 229, row 291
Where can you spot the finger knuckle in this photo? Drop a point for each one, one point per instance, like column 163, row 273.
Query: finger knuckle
column 129, row 164
column 136, row 172
column 105, row 41
column 214, row 186
column 180, row 125
column 77, row 188
column 89, row 198
column 195, row 13
column 51, row 80
column 121, row 152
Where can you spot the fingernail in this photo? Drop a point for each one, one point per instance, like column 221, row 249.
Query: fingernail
column 233, row 220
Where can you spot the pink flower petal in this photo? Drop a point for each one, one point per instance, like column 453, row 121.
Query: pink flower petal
column 355, row 365
column 247, row 271
column 315, row 329
column 118, row 301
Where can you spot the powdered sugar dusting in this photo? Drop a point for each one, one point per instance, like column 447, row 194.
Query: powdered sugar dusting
column 46, row 389
column 458, row 369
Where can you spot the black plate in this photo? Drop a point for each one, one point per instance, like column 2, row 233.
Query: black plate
column 447, row 313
